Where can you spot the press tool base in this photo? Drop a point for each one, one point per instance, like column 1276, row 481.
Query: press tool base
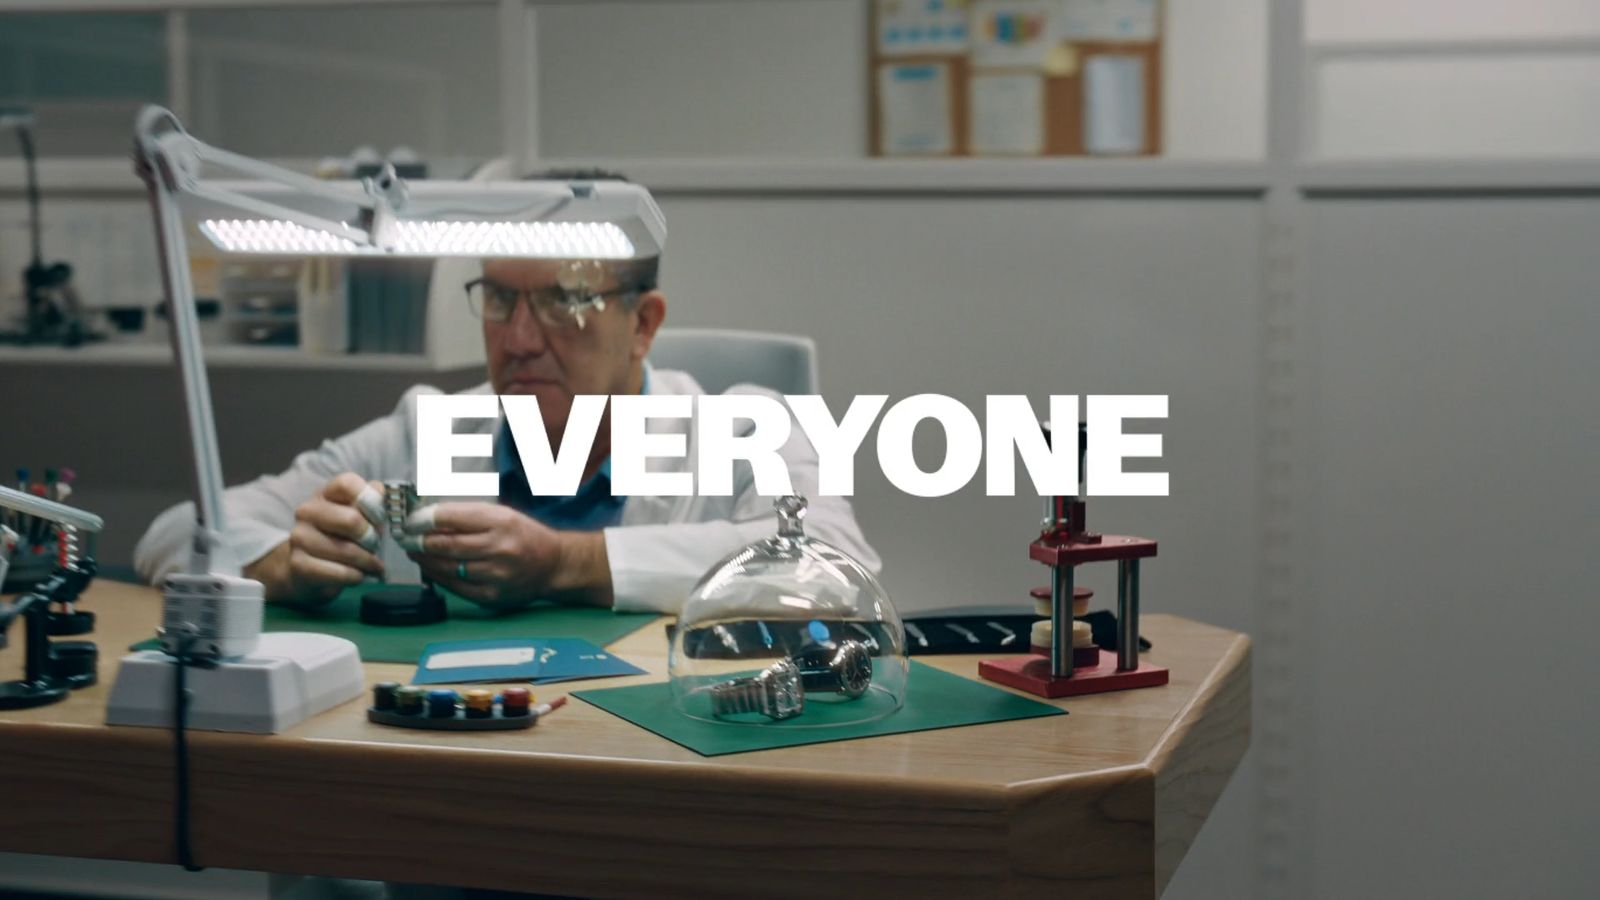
column 1032, row 674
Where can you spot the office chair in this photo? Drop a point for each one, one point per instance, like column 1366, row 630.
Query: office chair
column 721, row 358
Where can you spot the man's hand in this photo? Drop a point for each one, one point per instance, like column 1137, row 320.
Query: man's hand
column 330, row 547
column 510, row 559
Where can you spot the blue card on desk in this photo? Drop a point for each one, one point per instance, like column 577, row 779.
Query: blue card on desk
column 536, row 660
column 568, row 659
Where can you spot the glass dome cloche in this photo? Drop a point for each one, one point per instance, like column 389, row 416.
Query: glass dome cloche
column 790, row 631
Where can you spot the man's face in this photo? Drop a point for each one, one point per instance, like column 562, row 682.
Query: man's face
column 555, row 364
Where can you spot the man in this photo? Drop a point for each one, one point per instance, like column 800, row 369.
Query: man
column 553, row 330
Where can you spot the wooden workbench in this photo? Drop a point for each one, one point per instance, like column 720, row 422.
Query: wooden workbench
column 1103, row 802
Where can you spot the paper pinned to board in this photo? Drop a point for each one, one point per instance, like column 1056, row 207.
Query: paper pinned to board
column 914, row 107
column 1108, row 20
column 1007, row 114
column 1062, row 61
column 911, row 27
column 1113, row 105
column 1012, row 33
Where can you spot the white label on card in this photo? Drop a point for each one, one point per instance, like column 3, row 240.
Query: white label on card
column 466, row 659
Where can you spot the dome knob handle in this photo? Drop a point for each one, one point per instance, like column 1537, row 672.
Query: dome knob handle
column 791, row 512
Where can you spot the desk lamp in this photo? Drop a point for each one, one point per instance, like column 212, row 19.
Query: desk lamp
column 54, row 312
column 264, row 683
column 51, row 669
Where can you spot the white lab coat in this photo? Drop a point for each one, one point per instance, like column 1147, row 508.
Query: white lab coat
column 661, row 548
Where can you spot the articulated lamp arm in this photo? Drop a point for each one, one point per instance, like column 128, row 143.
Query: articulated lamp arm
column 169, row 161
column 161, row 175
column 179, row 158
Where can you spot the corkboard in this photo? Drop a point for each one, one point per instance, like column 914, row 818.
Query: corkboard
column 1063, row 105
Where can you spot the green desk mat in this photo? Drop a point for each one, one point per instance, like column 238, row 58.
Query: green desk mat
column 467, row 622
column 934, row 699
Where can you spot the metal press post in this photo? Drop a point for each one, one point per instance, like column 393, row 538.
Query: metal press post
column 1061, row 621
column 1061, row 584
column 1127, row 615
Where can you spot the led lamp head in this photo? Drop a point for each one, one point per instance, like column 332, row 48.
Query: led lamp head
column 400, row 237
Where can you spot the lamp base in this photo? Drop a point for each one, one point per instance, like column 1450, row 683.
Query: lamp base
column 219, row 614
column 288, row 678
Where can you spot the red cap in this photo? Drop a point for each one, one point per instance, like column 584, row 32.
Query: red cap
column 515, row 698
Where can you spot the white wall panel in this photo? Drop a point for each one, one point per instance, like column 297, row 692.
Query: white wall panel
column 703, row 79
column 789, row 79
column 1216, row 79
column 1453, row 556
column 311, row 82
column 1494, row 106
column 1408, row 20
column 1009, row 295
column 1022, row 295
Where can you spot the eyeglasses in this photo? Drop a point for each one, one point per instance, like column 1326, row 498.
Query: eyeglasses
column 556, row 308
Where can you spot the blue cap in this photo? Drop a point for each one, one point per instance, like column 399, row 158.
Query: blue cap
column 442, row 702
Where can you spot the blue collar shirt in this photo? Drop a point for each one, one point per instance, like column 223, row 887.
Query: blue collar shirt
column 592, row 508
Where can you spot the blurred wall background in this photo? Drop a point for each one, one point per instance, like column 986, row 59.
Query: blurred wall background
column 1364, row 272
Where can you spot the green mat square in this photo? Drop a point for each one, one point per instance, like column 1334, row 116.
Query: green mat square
column 467, row 622
column 934, row 699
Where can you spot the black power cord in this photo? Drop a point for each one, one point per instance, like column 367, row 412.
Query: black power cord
column 183, row 659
